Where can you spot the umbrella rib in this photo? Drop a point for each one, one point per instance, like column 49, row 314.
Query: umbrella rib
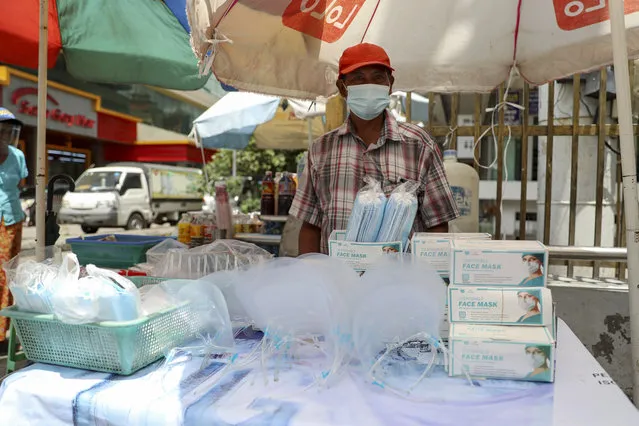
column 225, row 13
column 371, row 20
column 516, row 38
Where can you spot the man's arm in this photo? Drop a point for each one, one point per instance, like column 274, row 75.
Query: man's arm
column 437, row 206
column 309, row 240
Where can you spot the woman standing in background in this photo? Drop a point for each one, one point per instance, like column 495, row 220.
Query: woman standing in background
column 13, row 169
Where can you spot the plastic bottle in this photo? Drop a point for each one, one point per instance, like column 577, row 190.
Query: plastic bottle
column 267, row 205
column 197, row 232
column 286, row 194
column 208, row 228
column 184, row 229
column 464, row 184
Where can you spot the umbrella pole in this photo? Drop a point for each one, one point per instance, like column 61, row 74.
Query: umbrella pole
column 629, row 172
column 234, row 166
column 309, row 122
column 41, row 142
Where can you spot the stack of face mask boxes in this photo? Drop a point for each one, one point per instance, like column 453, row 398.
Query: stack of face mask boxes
column 500, row 311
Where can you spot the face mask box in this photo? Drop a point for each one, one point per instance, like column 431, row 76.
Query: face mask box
column 360, row 256
column 498, row 263
column 502, row 352
column 500, row 305
column 434, row 248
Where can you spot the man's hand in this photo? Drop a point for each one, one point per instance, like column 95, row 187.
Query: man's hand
column 310, row 237
column 443, row 228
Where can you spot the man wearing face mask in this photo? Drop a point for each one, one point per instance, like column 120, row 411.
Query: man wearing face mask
column 13, row 169
column 370, row 143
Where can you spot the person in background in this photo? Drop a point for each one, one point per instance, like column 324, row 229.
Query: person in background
column 370, row 143
column 13, row 169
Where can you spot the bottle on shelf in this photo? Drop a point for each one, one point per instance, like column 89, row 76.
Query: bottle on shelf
column 184, row 229
column 286, row 194
column 267, row 205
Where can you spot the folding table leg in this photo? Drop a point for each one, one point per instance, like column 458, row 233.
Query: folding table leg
column 13, row 356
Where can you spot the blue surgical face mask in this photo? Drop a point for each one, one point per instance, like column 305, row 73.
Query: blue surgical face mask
column 367, row 101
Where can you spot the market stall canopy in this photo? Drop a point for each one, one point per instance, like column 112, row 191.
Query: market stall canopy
column 276, row 123
column 292, row 48
column 110, row 41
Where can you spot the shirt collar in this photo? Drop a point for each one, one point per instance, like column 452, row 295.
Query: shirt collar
column 389, row 132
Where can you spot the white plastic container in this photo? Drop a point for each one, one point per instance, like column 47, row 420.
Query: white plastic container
column 502, row 352
column 464, row 183
column 498, row 263
column 501, row 305
column 434, row 248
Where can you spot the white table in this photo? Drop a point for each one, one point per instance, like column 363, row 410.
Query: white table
column 47, row 395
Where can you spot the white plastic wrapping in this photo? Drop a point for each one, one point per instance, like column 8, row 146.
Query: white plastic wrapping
column 32, row 283
column 156, row 255
column 368, row 212
column 221, row 255
column 396, row 327
column 100, row 296
column 296, row 304
column 399, row 215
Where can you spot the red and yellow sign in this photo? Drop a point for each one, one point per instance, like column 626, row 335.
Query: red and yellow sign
column 575, row 14
column 326, row 20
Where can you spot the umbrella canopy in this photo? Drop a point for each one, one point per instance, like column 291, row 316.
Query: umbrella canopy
column 292, row 48
column 110, row 41
column 276, row 124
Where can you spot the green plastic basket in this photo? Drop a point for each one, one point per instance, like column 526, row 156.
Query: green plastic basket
column 112, row 347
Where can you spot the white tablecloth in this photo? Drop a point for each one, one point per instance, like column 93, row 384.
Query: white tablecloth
column 583, row 394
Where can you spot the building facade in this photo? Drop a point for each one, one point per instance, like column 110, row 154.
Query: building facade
column 92, row 125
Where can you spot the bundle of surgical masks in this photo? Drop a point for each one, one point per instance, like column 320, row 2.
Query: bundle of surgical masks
column 399, row 215
column 72, row 295
column 367, row 214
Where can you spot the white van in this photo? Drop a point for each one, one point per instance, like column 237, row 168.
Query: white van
column 131, row 196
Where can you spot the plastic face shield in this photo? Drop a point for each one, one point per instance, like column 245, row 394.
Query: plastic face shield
column 10, row 133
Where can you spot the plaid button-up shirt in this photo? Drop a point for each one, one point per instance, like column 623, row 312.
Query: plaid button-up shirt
column 338, row 162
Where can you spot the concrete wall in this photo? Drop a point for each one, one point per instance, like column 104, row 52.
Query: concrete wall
column 598, row 313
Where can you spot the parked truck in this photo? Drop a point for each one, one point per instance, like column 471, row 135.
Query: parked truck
column 131, row 196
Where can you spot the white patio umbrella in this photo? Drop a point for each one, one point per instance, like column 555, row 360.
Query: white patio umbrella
column 238, row 116
column 292, row 48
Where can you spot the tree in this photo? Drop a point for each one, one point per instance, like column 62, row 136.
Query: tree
column 252, row 164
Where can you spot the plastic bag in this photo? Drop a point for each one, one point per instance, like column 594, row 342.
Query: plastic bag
column 296, row 305
column 226, row 281
column 368, row 212
column 396, row 327
column 221, row 255
column 399, row 215
column 157, row 254
column 31, row 283
column 207, row 311
column 100, row 296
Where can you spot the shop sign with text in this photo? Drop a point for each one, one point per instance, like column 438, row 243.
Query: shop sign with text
column 66, row 112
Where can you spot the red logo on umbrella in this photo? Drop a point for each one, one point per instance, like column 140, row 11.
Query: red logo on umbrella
column 56, row 114
column 326, row 20
column 575, row 14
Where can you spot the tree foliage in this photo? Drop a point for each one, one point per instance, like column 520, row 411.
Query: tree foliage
column 252, row 164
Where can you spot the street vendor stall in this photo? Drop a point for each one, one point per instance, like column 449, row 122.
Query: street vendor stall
column 583, row 394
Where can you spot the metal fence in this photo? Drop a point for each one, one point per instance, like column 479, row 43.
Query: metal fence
column 525, row 131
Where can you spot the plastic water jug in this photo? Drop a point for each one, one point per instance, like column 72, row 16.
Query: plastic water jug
column 464, row 184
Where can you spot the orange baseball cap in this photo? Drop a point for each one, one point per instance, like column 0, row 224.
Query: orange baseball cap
column 361, row 55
